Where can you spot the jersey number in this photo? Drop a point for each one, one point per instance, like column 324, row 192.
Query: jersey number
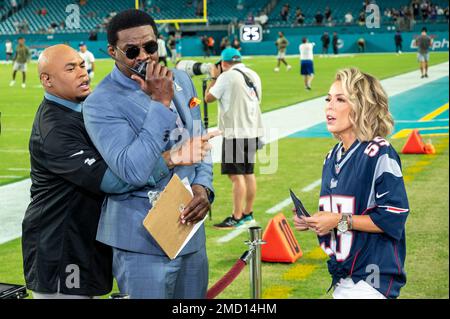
column 341, row 243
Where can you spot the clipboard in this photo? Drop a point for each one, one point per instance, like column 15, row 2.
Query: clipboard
column 163, row 219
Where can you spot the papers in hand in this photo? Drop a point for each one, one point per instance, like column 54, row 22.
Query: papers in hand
column 163, row 219
column 299, row 208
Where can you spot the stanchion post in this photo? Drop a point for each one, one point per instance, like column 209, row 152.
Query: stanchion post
column 255, row 262
column 205, row 118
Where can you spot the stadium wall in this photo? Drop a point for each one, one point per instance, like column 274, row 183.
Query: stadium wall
column 191, row 45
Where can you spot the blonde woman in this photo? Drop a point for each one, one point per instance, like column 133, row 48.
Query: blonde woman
column 363, row 204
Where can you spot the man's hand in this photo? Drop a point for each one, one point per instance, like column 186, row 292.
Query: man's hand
column 193, row 151
column 197, row 208
column 158, row 83
column 215, row 71
column 323, row 222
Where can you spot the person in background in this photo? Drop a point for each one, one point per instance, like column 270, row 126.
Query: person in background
column 162, row 50
column 281, row 44
column 335, row 43
column 306, row 62
column 325, row 38
column 361, row 45
column 8, row 50
column 363, row 204
column 171, row 44
column 236, row 44
column 238, row 90
column 423, row 43
column 398, row 39
column 21, row 58
column 88, row 58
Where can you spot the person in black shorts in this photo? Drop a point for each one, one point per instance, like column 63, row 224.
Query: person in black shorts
column 238, row 91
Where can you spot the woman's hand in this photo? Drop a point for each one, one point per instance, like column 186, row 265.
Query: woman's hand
column 300, row 223
column 323, row 222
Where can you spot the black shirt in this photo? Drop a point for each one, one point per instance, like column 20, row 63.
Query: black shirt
column 60, row 224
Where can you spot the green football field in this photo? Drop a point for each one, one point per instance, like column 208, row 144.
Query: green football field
column 299, row 164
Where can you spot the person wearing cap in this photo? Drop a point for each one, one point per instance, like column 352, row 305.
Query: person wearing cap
column 238, row 90
column 88, row 58
column 423, row 43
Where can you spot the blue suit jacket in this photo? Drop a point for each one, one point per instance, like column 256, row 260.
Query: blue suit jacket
column 130, row 130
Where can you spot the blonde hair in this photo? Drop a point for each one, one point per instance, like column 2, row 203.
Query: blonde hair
column 370, row 116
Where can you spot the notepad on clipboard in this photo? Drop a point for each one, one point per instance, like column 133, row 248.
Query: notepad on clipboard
column 163, row 219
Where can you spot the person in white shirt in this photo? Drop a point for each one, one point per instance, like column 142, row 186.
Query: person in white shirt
column 88, row 58
column 8, row 50
column 348, row 18
column 306, row 62
column 162, row 50
column 238, row 91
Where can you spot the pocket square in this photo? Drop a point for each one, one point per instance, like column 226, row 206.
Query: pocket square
column 194, row 102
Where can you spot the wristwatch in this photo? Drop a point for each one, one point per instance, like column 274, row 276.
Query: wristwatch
column 345, row 223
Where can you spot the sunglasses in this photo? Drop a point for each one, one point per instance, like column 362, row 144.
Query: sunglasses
column 132, row 52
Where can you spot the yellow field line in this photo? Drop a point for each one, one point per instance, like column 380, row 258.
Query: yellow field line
column 435, row 113
column 277, row 292
column 405, row 132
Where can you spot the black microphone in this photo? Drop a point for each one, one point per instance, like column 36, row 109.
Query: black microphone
column 140, row 69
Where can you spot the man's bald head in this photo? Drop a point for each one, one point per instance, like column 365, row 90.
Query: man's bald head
column 50, row 58
column 62, row 73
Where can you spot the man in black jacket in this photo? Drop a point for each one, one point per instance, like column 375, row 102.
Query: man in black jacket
column 61, row 257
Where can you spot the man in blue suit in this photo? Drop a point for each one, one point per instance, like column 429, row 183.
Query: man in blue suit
column 139, row 125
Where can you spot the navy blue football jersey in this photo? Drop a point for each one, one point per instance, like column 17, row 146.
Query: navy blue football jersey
column 366, row 180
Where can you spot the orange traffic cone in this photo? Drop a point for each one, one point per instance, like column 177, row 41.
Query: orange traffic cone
column 414, row 144
column 281, row 245
column 429, row 148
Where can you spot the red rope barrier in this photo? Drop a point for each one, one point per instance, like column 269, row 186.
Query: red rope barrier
column 226, row 280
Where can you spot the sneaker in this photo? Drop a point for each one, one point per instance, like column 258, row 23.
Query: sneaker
column 24, row 85
column 229, row 222
column 247, row 218
column 422, row 76
column 308, row 88
column 12, row 83
column 277, row 69
column 288, row 67
column 426, row 75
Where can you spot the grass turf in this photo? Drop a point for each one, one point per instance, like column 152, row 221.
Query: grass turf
column 427, row 227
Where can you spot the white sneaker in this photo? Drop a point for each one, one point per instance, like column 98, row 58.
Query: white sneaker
column 288, row 67
column 277, row 69
column 12, row 83
column 23, row 85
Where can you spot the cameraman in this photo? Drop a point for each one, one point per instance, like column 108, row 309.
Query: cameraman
column 238, row 90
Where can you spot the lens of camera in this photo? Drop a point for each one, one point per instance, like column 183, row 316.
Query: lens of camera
column 197, row 68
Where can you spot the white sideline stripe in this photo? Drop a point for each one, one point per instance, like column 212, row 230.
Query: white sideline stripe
column 18, row 169
column 10, row 176
column 236, row 232
column 15, row 151
column 287, row 201
column 14, row 200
